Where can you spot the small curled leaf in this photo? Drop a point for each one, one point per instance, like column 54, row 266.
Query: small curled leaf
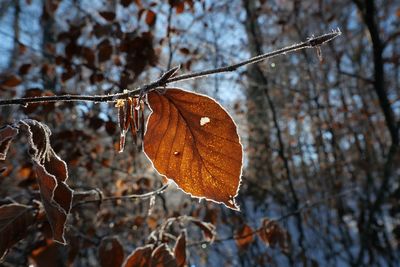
column 52, row 174
column 208, row 230
column 272, row 234
column 180, row 249
column 163, row 257
column 7, row 134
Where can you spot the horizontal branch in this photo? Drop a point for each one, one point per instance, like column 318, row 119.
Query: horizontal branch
column 304, row 207
column 125, row 197
column 313, row 42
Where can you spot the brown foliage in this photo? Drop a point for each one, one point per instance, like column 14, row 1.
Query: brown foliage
column 52, row 175
column 272, row 234
column 140, row 257
column 244, row 237
column 7, row 133
column 15, row 220
column 111, row 252
column 192, row 140
column 180, row 250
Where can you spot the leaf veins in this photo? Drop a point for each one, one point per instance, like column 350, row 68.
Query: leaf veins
column 192, row 140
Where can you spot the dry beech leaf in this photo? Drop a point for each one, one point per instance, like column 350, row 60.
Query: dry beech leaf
column 7, row 133
column 140, row 257
column 52, row 175
column 111, row 252
column 150, row 17
column 75, row 246
column 15, row 219
column 272, row 234
column 107, row 15
column 192, row 140
column 208, row 230
column 47, row 255
column 104, row 51
column 244, row 237
column 180, row 249
column 11, row 81
column 180, row 7
column 163, row 257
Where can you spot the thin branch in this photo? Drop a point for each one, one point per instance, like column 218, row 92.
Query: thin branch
column 126, row 197
column 306, row 206
column 357, row 76
column 313, row 42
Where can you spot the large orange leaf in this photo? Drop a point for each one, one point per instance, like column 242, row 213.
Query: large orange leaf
column 192, row 140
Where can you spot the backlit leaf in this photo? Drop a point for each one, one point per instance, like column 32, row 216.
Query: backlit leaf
column 208, row 230
column 15, row 219
column 180, row 249
column 111, row 252
column 52, row 175
column 140, row 257
column 163, row 257
column 48, row 254
column 7, row 133
column 192, row 140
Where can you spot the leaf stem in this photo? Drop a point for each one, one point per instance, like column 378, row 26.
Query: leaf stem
column 313, row 42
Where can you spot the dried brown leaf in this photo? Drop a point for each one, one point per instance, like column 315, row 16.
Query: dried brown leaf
column 111, row 252
column 104, row 51
column 180, row 7
column 7, row 133
column 46, row 255
column 126, row 3
column 74, row 248
column 244, row 237
column 11, row 81
column 184, row 50
column 15, row 219
column 140, row 257
column 272, row 234
column 151, row 17
column 52, row 175
column 180, row 249
column 163, row 257
column 24, row 69
column 107, row 15
column 192, row 140
column 208, row 230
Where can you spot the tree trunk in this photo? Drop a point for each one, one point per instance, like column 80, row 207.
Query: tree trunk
column 257, row 115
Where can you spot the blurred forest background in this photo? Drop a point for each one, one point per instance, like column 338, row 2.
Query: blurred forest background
column 321, row 138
